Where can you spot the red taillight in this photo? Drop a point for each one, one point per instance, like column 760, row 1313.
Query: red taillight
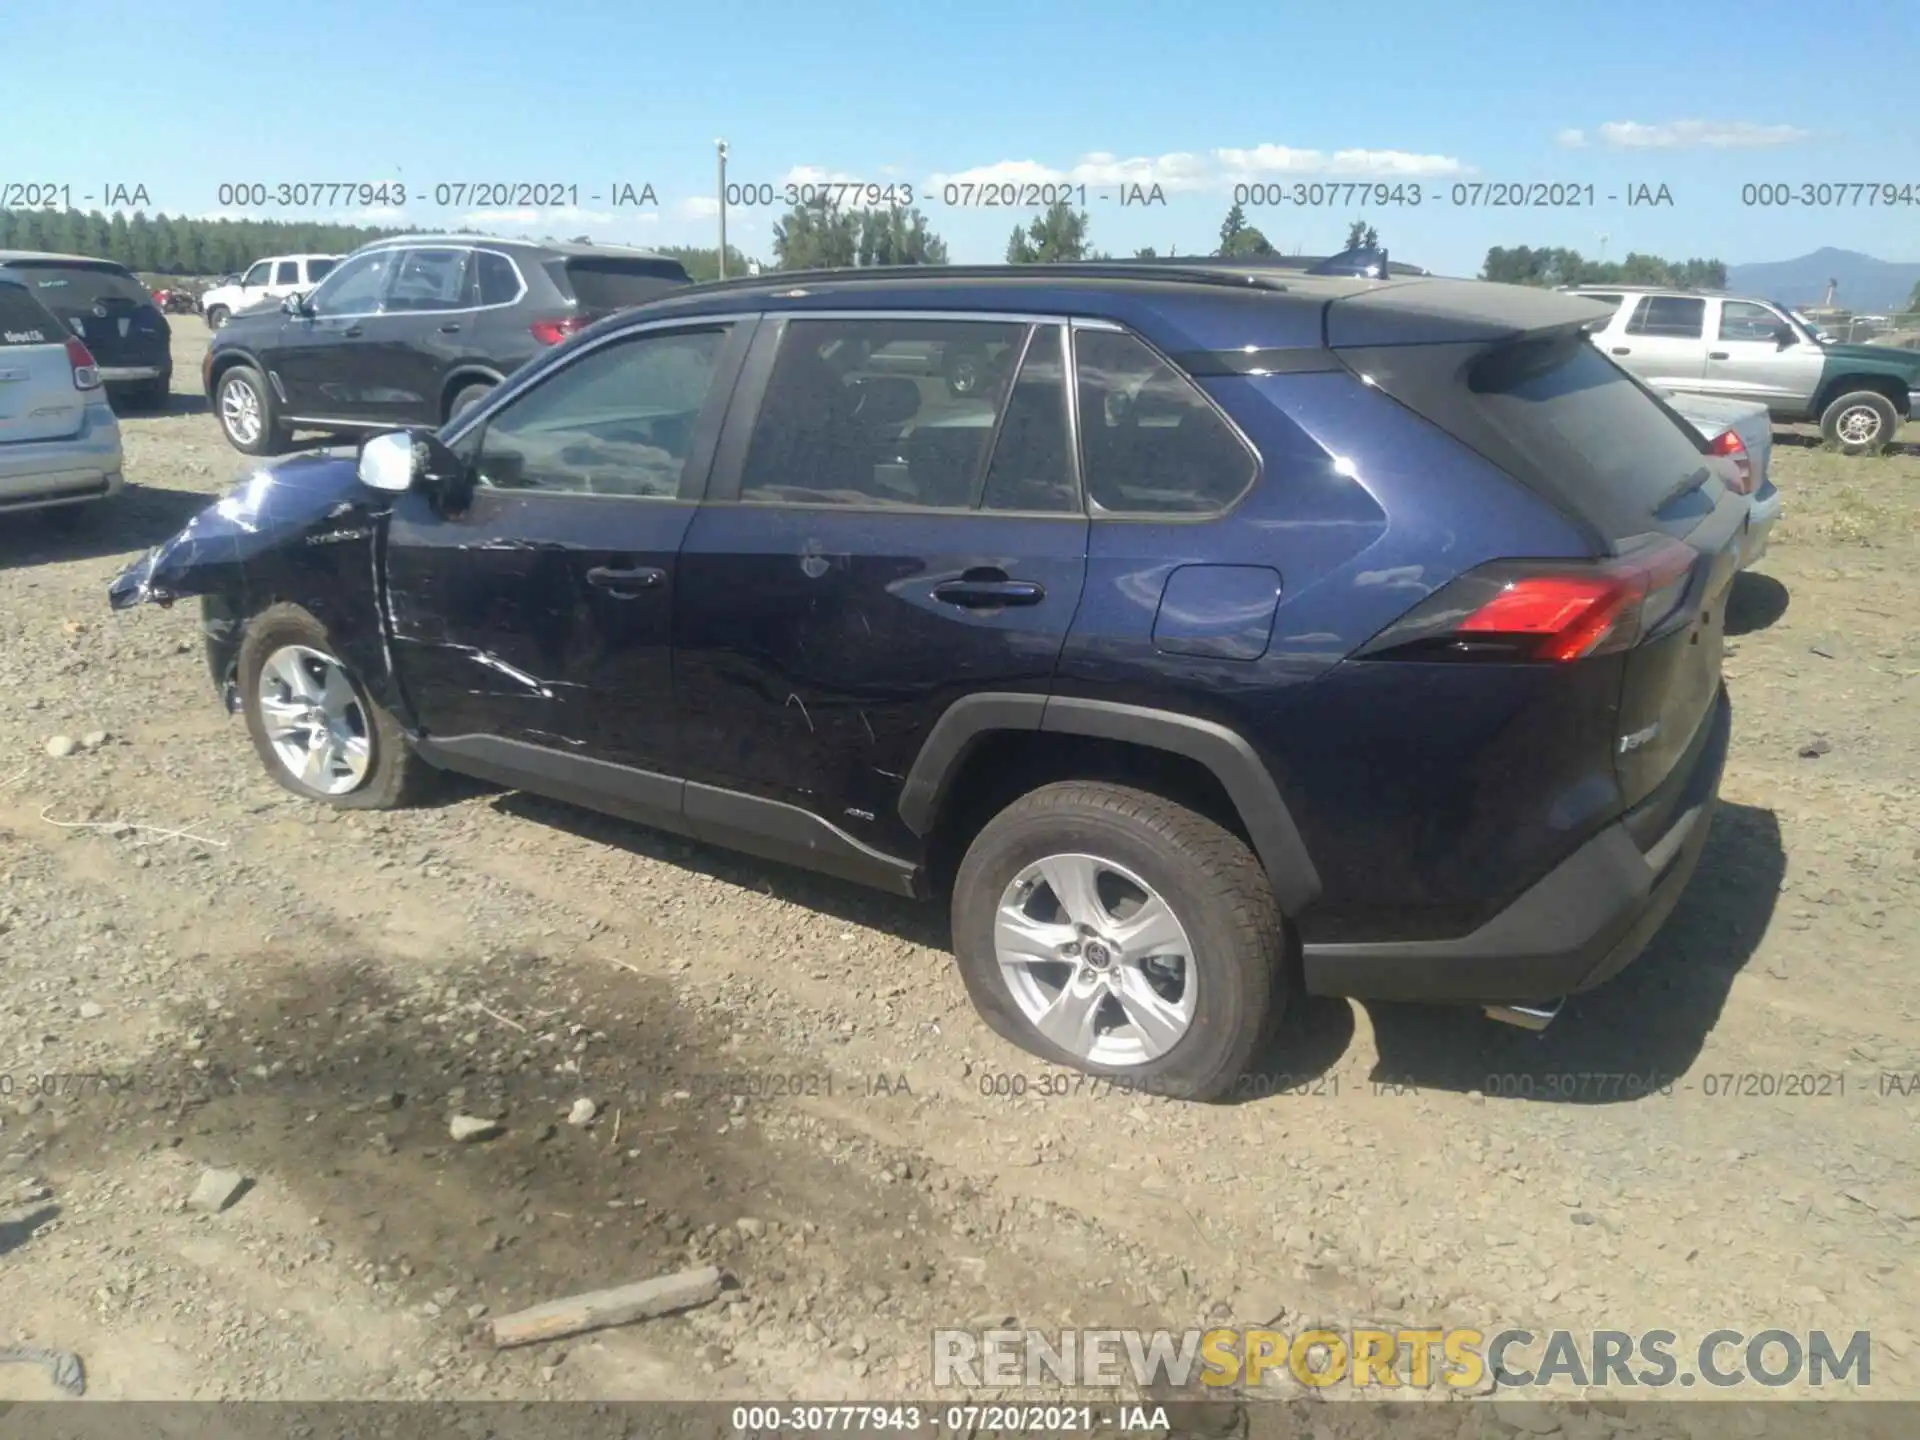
column 1728, row 446
column 552, row 332
column 1542, row 611
column 86, row 375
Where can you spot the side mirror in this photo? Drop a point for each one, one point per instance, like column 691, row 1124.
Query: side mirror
column 387, row 462
column 1783, row 336
column 402, row 459
column 295, row 305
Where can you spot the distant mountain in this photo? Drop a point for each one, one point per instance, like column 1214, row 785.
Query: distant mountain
column 1867, row 286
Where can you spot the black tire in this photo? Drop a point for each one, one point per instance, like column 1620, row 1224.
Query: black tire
column 1209, row 877
column 396, row 776
column 216, row 317
column 273, row 437
column 1853, row 407
column 467, row 395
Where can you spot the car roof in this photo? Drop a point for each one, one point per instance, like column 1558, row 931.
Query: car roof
column 1206, row 305
column 7, row 257
column 1607, row 289
column 549, row 247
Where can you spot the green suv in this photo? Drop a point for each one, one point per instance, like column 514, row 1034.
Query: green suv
column 1707, row 343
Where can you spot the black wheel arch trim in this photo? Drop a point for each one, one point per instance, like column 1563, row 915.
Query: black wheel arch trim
column 1223, row 752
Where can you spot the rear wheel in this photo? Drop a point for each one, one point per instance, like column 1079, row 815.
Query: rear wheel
column 467, row 395
column 216, row 317
column 248, row 414
column 1114, row 931
column 312, row 722
column 1861, row 422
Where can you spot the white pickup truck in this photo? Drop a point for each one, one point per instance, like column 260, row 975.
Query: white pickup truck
column 266, row 282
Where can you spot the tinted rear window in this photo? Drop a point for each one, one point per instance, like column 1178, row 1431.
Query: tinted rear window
column 602, row 282
column 72, row 287
column 317, row 269
column 1562, row 418
column 25, row 321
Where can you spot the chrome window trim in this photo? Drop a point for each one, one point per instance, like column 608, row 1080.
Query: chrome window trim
column 401, row 246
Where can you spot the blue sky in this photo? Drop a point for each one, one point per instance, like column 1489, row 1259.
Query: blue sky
column 1701, row 96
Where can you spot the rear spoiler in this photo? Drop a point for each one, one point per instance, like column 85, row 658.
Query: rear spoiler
column 1443, row 312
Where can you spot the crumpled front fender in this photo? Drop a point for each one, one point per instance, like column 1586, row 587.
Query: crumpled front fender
column 304, row 501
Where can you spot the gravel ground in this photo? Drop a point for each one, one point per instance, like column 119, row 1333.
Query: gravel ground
column 787, row 1080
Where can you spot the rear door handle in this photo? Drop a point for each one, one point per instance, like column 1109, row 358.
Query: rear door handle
column 1717, row 355
column 989, row 594
column 625, row 582
column 1621, row 350
column 351, row 332
column 448, row 329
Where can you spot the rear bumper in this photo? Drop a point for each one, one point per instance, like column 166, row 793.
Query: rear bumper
column 132, row 374
column 1578, row 926
column 1766, row 509
column 42, row 473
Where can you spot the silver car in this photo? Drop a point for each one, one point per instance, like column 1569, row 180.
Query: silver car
column 1740, row 432
column 59, row 441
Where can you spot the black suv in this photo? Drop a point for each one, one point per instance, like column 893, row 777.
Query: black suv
column 1203, row 633
column 410, row 331
column 113, row 314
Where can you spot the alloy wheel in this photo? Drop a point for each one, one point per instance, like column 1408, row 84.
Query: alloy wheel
column 1858, row 425
column 1097, row 961
column 314, row 720
column 240, row 411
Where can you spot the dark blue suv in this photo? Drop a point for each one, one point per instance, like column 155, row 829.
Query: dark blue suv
column 1204, row 634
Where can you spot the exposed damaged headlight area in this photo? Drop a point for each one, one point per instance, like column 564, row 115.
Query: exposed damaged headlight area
column 312, row 500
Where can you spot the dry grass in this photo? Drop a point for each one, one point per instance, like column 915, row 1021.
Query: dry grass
column 1847, row 500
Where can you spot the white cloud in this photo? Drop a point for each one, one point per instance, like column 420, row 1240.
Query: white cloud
column 1284, row 160
column 697, row 207
column 814, row 175
column 1572, row 139
column 1699, row 134
column 556, row 215
column 1186, row 171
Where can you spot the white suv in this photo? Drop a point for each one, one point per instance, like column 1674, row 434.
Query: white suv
column 269, row 280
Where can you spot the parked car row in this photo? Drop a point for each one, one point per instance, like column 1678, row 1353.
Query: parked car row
column 411, row 331
column 1222, row 634
column 1707, row 343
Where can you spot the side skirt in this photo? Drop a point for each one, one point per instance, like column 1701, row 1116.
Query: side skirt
column 769, row 829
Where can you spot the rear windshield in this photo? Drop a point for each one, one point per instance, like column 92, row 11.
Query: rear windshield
column 25, row 321
column 68, row 288
column 604, row 282
column 1560, row 417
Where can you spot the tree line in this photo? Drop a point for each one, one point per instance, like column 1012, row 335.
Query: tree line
column 1523, row 265
column 815, row 236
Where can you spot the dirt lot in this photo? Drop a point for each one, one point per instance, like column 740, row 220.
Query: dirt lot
column 306, row 997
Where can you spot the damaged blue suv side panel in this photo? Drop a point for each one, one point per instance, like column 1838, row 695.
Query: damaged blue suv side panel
column 305, row 531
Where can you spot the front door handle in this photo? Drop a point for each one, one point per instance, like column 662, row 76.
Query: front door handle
column 351, row 331
column 625, row 582
column 1621, row 350
column 450, row 327
column 989, row 594
column 1718, row 355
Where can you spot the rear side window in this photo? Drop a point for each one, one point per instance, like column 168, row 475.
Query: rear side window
column 881, row 412
column 286, row 272
column 1150, row 442
column 429, row 280
column 317, row 270
column 499, row 281
column 605, row 282
column 24, row 320
column 1560, row 417
column 1032, row 466
column 1672, row 317
column 72, row 289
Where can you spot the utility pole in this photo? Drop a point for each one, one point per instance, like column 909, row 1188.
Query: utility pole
column 1603, row 249
column 721, row 146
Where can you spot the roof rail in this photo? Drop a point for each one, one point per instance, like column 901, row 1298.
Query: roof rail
column 1224, row 273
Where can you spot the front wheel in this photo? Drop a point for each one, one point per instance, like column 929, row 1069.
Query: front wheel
column 1113, row 931
column 216, row 317
column 312, row 722
column 247, row 412
column 1860, row 423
